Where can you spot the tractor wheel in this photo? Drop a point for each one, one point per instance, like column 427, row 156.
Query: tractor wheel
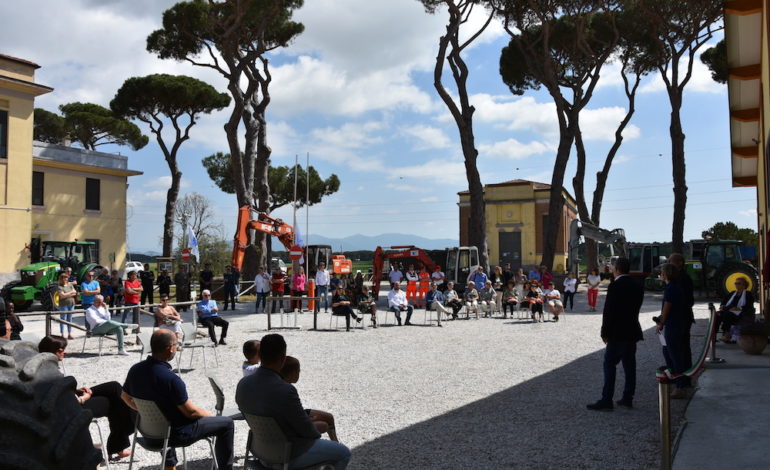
column 46, row 297
column 43, row 426
column 726, row 275
column 5, row 293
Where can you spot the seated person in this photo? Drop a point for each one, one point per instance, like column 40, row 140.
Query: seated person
column 510, row 298
column 737, row 307
column 167, row 318
column 471, row 298
column 16, row 326
column 397, row 303
column 98, row 318
column 208, row 316
column 322, row 420
column 153, row 380
column 433, row 300
column 102, row 400
column 251, row 353
column 553, row 298
column 535, row 300
column 487, row 299
column 452, row 300
column 341, row 307
column 265, row 393
column 367, row 304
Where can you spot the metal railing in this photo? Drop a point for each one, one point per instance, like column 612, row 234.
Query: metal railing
column 666, row 377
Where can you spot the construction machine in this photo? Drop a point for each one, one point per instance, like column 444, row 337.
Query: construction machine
column 615, row 238
column 313, row 254
column 457, row 262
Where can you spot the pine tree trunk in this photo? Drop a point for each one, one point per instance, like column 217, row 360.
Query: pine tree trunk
column 679, row 173
column 556, row 201
column 168, row 219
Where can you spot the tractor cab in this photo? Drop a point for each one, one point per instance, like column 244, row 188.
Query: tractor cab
column 460, row 263
column 73, row 255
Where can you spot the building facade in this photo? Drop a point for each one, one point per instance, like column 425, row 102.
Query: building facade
column 53, row 192
column 18, row 91
column 747, row 25
column 515, row 216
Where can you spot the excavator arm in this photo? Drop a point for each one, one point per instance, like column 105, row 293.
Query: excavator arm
column 264, row 223
column 615, row 238
column 406, row 252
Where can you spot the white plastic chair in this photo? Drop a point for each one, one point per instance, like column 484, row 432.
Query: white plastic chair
column 219, row 394
column 191, row 344
column 269, row 445
column 155, row 429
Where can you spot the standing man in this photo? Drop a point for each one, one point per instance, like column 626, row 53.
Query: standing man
column 164, row 283
column 620, row 332
column 232, row 279
column 322, row 286
column 89, row 289
column 153, row 380
column 182, row 282
column 479, row 278
column 685, row 284
column 265, row 393
column 206, row 277
column 262, row 283
column 438, row 277
column 395, row 275
column 397, row 303
column 147, row 278
column 208, row 316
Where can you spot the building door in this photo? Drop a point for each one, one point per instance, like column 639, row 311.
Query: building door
column 510, row 249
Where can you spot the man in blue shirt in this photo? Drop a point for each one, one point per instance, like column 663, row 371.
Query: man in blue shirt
column 208, row 316
column 88, row 290
column 153, row 379
column 479, row 277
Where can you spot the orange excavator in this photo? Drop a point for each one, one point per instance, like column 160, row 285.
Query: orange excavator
column 316, row 254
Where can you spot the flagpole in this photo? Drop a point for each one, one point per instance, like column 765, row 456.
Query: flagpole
column 307, row 208
column 296, row 164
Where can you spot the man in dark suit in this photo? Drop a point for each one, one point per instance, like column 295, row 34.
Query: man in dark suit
column 620, row 332
column 686, row 285
column 265, row 393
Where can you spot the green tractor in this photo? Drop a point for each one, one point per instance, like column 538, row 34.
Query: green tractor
column 714, row 265
column 39, row 280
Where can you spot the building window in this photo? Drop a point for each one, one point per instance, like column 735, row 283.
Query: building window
column 38, row 185
column 95, row 249
column 3, row 134
column 93, row 195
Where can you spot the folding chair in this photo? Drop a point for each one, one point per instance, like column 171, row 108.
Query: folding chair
column 219, row 393
column 269, row 445
column 91, row 334
column 155, row 433
column 191, row 344
column 103, row 446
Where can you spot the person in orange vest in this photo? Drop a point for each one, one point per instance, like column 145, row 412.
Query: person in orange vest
column 411, row 285
column 423, row 287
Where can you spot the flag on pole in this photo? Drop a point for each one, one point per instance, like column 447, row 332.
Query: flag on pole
column 192, row 244
column 298, row 236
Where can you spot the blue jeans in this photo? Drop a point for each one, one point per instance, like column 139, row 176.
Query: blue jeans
column 134, row 310
column 674, row 352
column 323, row 451
column 261, row 298
column 323, row 293
column 66, row 317
column 219, row 426
column 624, row 352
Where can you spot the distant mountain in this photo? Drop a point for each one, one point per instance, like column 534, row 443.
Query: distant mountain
column 367, row 242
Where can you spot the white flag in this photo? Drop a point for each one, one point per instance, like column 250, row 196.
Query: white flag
column 192, row 244
column 298, row 237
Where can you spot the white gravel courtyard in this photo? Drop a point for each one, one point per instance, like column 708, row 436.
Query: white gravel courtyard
column 483, row 394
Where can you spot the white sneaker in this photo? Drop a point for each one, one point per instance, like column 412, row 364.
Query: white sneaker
column 132, row 326
column 122, row 352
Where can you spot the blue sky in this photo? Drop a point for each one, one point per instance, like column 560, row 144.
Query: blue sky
column 355, row 91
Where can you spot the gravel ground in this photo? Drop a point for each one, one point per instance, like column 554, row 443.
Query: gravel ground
column 489, row 393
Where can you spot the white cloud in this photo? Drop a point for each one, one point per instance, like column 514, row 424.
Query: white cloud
column 748, row 213
column 515, row 150
column 620, row 159
column 701, row 81
column 601, row 124
column 430, row 199
column 163, row 182
column 436, row 170
column 349, row 145
column 406, row 188
column 428, row 137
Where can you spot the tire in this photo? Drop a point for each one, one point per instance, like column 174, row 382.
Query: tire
column 44, row 428
column 726, row 275
column 46, row 297
column 5, row 292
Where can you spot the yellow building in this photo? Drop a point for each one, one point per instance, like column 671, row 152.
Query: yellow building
column 17, row 102
column 80, row 195
column 53, row 192
column 748, row 61
column 515, row 215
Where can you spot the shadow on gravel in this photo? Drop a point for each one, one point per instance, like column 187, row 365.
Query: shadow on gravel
column 542, row 423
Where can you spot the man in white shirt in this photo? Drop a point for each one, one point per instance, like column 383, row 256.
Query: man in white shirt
column 98, row 318
column 322, row 285
column 438, row 277
column 397, row 304
column 262, row 285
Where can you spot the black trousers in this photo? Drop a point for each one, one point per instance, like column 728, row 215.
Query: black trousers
column 625, row 353
column 219, row 426
column 569, row 297
column 147, row 294
column 106, row 401
column 345, row 311
column 210, row 322
column 229, row 297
